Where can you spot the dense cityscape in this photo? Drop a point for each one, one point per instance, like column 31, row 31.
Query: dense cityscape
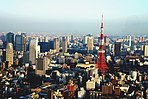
column 39, row 66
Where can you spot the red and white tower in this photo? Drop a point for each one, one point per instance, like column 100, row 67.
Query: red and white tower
column 101, row 63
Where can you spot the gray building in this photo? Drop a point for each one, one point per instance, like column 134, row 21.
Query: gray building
column 20, row 42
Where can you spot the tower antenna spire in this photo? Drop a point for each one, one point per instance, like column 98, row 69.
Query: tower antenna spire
column 101, row 63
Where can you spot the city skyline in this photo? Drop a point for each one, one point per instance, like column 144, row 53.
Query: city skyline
column 39, row 66
column 121, row 17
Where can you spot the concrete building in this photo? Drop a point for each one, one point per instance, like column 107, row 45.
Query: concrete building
column 117, row 48
column 9, row 54
column 26, row 57
column 57, row 44
column 130, row 41
column 141, row 39
column 106, row 40
column 71, row 38
column 45, row 39
column 90, row 43
column 20, row 42
column 34, row 50
column 10, row 38
column 85, row 39
column 64, row 44
column 68, row 39
column 146, row 50
column 107, row 89
column 42, row 65
column 90, row 85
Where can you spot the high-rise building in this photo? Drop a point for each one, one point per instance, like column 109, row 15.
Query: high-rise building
column 44, row 46
column 56, row 44
column 90, row 43
column 71, row 38
column 117, row 48
column 42, row 65
column 145, row 50
column 64, row 44
column 20, row 42
column 141, row 39
column 26, row 57
column 10, row 38
column 51, row 44
column 3, row 38
column 34, row 50
column 45, row 39
column 85, row 39
column 130, row 41
column 9, row 54
column 68, row 39
column 106, row 40
column 24, row 47
column 101, row 63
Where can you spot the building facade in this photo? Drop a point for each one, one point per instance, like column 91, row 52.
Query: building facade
column 9, row 54
column 34, row 50
column 64, row 44
column 57, row 44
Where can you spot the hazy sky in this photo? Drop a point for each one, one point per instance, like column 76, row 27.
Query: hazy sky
column 74, row 16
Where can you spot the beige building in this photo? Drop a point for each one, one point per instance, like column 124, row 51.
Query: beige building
column 145, row 50
column 57, row 44
column 90, row 43
column 88, row 40
column 90, row 85
column 141, row 39
column 42, row 65
column 9, row 54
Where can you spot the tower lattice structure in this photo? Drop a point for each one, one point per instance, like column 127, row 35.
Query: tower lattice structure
column 101, row 63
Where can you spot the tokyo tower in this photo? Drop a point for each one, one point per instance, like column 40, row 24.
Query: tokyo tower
column 101, row 63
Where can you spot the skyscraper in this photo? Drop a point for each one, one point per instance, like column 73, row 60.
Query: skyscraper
column 90, row 43
column 9, row 54
column 68, row 39
column 117, row 48
column 24, row 47
column 130, row 41
column 34, row 50
column 45, row 39
column 106, row 40
column 146, row 50
column 10, row 38
column 64, row 44
column 44, row 46
column 101, row 63
column 26, row 57
column 141, row 39
column 85, row 39
column 56, row 44
column 3, row 38
column 20, row 42
column 71, row 38
column 42, row 65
